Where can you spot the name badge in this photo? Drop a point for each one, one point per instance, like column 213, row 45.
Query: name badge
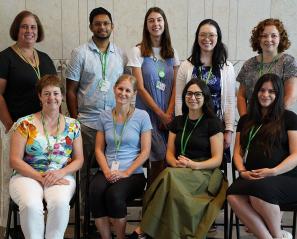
column 115, row 165
column 104, row 85
column 161, row 86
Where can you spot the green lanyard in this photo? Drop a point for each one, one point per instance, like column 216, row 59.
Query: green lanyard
column 261, row 69
column 49, row 147
column 208, row 76
column 118, row 141
column 184, row 142
column 161, row 70
column 252, row 135
column 103, row 60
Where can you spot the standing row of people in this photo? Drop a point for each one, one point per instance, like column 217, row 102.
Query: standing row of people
column 103, row 107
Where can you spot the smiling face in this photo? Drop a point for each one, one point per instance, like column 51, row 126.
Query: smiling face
column 155, row 24
column 266, row 95
column 51, row 97
column 207, row 37
column 124, row 92
column 28, row 31
column 194, row 98
column 101, row 27
column 269, row 40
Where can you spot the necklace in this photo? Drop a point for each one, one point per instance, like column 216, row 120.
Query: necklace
column 33, row 63
column 50, row 148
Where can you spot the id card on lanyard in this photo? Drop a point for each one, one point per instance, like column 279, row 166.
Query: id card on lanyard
column 103, row 84
column 162, row 75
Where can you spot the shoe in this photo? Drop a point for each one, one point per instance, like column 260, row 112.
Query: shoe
column 286, row 235
column 135, row 235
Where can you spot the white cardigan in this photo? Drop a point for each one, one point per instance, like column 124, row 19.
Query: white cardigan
column 184, row 75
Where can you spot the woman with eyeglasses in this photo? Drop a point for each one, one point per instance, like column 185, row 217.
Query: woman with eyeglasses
column 269, row 39
column 208, row 62
column 154, row 64
column 265, row 155
column 186, row 197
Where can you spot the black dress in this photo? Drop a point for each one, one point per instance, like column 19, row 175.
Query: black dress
column 280, row 189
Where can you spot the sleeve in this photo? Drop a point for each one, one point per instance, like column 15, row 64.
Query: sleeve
column 73, row 70
column 290, row 67
column 176, row 58
column 229, row 104
column 4, row 66
column 134, row 57
column 290, row 120
column 76, row 129
column 146, row 124
column 23, row 126
column 181, row 80
column 214, row 126
column 241, row 122
column 173, row 125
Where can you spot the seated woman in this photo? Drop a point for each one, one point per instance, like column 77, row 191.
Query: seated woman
column 123, row 144
column 186, row 197
column 46, row 149
column 265, row 155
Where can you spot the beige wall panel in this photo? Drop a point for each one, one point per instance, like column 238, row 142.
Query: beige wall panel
column 196, row 14
column 83, row 21
column 232, row 30
column 129, row 17
column 49, row 13
column 286, row 11
column 249, row 14
column 176, row 13
column 8, row 11
column 70, row 27
column 208, row 8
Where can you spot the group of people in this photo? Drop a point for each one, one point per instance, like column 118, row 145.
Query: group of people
column 146, row 105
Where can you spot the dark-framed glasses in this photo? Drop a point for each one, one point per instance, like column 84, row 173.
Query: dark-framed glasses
column 197, row 94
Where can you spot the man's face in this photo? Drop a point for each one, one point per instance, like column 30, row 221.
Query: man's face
column 101, row 27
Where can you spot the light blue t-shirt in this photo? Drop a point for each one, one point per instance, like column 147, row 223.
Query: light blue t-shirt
column 130, row 147
column 85, row 67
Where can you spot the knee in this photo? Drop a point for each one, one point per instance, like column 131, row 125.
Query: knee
column 233, row 200
column 58, row 203
column 115, row 202
column 31, row 206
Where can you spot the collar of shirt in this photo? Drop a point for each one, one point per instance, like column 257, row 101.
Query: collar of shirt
column 93, row 46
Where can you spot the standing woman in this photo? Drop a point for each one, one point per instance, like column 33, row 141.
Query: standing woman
column 123, row 143
column 21, row 66
column 270, row 39
column 208, row 61
column 154, row 64
column 265, row 155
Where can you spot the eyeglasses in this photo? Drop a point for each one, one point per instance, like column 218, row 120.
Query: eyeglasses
column 209, row 35
column 272, row 35
column 104, row 23
column 197, row 94
column 270, row 92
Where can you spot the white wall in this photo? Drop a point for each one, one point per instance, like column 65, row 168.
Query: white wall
column 66, row 22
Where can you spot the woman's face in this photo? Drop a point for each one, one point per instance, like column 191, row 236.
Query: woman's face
column 51, row 97
column 207, row 37
column 269, row 40
column 194, row 97
column 28, row 32
column 266, row 94
column 124, row 92
column 155, row 24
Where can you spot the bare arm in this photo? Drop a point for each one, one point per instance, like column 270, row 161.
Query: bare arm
column 171, row 105
column 71, row 97
column 241, row 100
column 170, row 153
column 5, row 116
column 99, row 153
column 136, row 71
column 290, row 92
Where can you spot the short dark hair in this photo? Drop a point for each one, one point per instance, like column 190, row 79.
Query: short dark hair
column 207, row 107
column 15, row 26
column 49, row 80
column 99, row 11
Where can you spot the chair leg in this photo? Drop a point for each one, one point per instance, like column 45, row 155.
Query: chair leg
column 237, row 227
column 77, row 210
column 8, row 224
column 226, row 225
column 294, row 224
column 231, row 224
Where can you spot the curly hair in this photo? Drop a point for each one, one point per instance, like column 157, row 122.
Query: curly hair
column 49, row 80
column 284, row 42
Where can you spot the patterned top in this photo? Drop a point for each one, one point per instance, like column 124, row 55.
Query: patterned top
column 285, row 67
column 37, row 154
column 214, row 85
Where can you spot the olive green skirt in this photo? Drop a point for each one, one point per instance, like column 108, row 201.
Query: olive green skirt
column 183, row 203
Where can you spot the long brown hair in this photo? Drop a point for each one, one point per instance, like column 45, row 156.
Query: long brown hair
column 146, row 43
